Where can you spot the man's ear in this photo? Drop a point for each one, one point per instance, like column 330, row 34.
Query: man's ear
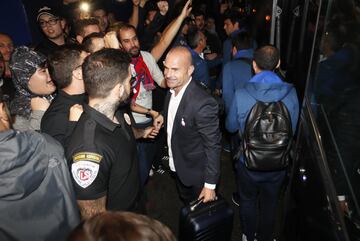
column 255, row 67
column 77, row 73
column 62, row 24
column 236, row 25
column 278, row 64
column 191, row 70
column 79, row 39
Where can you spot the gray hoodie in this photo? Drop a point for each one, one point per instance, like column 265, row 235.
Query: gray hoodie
column 37, row 200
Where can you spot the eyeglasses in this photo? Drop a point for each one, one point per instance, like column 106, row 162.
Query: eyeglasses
column 51, row 22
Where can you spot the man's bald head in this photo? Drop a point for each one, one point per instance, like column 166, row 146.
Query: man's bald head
column 178, row 68
column 182, row 53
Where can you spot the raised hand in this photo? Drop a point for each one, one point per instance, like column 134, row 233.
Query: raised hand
column 111, row 40
column 186, row 9
column 38, row 103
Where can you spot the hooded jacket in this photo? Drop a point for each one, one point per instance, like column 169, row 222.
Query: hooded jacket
column 37, row 201
column 265, row 86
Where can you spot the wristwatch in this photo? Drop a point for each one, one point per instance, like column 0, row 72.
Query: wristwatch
column 148, row 113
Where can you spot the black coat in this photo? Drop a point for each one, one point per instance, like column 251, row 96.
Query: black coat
column 195, row 138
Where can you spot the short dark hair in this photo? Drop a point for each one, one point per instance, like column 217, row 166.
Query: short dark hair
column 81, row 24
column 125, row 26
column 121, row 226
column 87, row 41
column 199, row 13
column 62, row 63
column 103, row 70
column 234, row 17
column 241, row 40
column 193, row 37
column 267, row 57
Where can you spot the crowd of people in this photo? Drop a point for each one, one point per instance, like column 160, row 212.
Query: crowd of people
column 84, row 128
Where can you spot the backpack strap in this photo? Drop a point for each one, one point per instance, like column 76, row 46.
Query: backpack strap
column 245, row 105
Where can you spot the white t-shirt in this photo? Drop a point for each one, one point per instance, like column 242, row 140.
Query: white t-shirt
column 144, row 97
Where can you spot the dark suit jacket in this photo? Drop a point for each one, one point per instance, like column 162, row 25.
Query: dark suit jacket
column 195, row 140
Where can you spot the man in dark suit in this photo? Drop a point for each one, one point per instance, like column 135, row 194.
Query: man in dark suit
column 192, row 126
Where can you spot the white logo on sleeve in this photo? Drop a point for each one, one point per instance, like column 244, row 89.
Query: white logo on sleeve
column 84, row 172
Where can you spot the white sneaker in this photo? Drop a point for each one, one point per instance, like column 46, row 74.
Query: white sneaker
column 243, row 238
column 151, row 173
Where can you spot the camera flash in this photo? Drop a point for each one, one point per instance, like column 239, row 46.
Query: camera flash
column 85, row 7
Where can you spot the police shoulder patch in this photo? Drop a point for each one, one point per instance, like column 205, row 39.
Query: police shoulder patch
column 87, row 156
column 85, row 168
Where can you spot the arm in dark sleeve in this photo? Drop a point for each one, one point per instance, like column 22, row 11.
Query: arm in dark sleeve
column 141, row 22
column 231, row 122
column 228, row 87
column 207, row 124
column 151, row 30
column 55, row 125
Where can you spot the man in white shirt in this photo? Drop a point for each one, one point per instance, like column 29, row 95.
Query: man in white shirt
column 192, row 125
column 145, row 73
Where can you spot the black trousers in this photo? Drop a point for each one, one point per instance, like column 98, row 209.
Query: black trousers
column 187, row 193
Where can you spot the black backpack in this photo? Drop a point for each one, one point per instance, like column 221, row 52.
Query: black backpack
column 267, row 138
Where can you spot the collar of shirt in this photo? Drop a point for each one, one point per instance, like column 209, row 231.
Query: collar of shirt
column 181, row 92
column 100, row 118
column 81, row 98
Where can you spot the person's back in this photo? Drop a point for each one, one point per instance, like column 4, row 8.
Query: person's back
column 255, row 186
column 37, row 201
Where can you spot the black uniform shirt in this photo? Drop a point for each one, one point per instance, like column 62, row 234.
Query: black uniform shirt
column 55, row 121
column 103, row 160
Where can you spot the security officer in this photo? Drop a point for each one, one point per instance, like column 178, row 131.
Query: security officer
column 102, row 150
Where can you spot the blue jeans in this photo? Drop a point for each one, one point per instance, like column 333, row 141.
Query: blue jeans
column 259, row 195
column 146, row 153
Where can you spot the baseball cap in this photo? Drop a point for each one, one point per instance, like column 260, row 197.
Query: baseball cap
column 47, row 10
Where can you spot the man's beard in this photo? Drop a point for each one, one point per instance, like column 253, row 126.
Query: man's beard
column 135, row 53
column 124, row 99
